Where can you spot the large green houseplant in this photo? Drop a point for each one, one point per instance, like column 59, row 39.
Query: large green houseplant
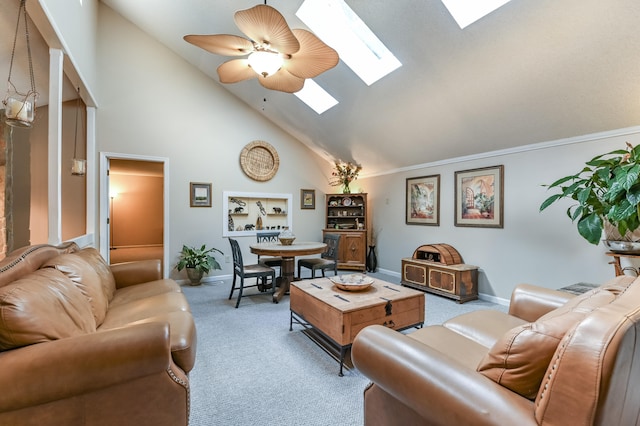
column 606, row 191
column 197, row 261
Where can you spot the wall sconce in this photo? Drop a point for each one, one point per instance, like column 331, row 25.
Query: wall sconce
column 78, row 166
column 19, row 107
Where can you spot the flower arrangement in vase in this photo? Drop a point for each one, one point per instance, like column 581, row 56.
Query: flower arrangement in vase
column 344, row 174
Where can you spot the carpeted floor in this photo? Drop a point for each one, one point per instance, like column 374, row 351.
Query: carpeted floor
column 250, row 370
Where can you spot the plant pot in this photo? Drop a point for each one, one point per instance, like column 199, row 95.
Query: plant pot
column 611, row 234
column 195, row 275
column 628, row 243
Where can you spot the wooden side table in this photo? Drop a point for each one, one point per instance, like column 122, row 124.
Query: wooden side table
column 616, row 263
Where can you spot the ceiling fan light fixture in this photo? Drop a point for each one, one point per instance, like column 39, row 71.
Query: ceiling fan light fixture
column 265, row 63
column 283, row 57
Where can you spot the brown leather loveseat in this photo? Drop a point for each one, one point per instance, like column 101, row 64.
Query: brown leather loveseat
column 553, row 359
column 86, row 343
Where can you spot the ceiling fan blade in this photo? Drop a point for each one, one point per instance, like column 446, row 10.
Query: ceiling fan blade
column 265, row 25
column 313, row 58
column 221, row 44
column 282, row 81
column 235, row 70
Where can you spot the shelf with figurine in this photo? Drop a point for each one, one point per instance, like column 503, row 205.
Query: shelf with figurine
column 245, row 213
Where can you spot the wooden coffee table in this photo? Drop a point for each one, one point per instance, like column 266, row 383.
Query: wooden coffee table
column 339, row 315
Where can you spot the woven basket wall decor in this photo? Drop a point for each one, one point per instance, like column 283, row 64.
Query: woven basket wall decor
column 259, row 160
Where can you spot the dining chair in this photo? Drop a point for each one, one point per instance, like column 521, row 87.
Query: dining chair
column 269, row 237
column 247, row 271
column 269, row 261
column 327, row 260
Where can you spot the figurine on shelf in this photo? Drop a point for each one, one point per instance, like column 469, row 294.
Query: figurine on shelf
column 263, row 212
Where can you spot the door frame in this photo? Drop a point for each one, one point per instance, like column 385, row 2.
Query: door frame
column 105, row 157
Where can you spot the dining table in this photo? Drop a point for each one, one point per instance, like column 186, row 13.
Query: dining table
column 288, row 254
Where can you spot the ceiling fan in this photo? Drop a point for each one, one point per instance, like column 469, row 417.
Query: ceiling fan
column 279, row 57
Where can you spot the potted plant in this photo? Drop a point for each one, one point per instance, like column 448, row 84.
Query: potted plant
column 607, row 195
column 197, row 261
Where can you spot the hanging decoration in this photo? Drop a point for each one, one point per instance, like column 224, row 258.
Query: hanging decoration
column 20, row 106
column 78, row 166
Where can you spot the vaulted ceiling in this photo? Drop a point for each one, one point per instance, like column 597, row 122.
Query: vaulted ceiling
column 532, row 71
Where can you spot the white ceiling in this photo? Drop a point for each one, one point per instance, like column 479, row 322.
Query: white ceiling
column 533, row 71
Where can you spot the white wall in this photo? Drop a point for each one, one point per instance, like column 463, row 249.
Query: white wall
column 76, row 28
column 538, row 248
column 151, row 102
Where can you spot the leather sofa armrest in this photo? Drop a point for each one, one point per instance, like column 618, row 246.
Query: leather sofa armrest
column 50, row 371
column 530, row 302
column 439, row 389
column 137, row 272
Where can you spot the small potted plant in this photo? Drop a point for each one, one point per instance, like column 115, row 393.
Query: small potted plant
column 607, row 195
column 197, row 261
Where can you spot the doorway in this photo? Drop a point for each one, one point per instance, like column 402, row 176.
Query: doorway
column 134, row 206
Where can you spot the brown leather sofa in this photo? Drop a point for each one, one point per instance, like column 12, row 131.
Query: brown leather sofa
column 86, row 343
column 553, row 359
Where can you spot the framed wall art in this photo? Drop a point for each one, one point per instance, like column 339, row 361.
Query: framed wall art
column 479, row 197
column 423, row 200
column 200, row 194
column 307, row 198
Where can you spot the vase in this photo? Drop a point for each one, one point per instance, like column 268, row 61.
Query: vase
column 346, row 189
column 611, row 233
column 372, row 261
column 195, row 275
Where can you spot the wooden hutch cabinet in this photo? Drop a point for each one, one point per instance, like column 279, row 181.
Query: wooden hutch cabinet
column 347, row 216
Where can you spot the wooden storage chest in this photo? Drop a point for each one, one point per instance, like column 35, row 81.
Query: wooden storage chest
column 438, row 269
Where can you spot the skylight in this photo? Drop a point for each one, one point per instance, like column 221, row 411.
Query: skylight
column 336, row 24
column 466, row 12
column 315, row 96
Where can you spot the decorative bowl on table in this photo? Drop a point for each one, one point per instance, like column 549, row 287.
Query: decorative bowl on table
column 286, row 241
column 352, row 282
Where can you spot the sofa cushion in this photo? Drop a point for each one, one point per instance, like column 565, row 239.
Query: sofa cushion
column 43, row 306
column 452, row 344
column 93, row 256
column 85, row 277
column 126, row 313
column 519, row 359
column 142, row 291
column 484, row 326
